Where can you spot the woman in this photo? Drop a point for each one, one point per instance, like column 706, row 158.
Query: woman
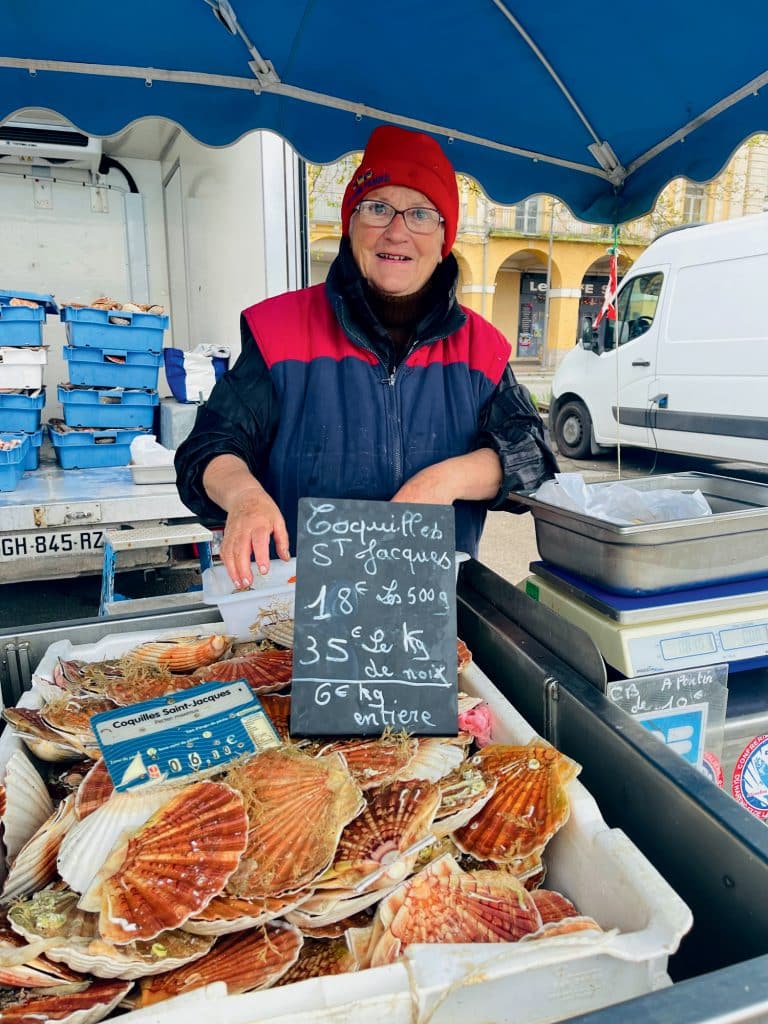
column 375, row 385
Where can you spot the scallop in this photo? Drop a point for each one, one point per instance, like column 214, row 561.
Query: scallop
column 77, row 1003
column 446, row 905
column 227, row 914
column 319, row 958
column 246, row 962
column 462, row 795
column 297, row 808
column 264, row 671
column 181, row 653
column 375, row 762
column 173, row 866
column 35, row 863
column 528, row 806
column 436, row 757
column 278, row 709
column 27, row 803
column 280, row 632
column 377, row 847
column 38, row 738
column 90, row 841
column 95, row 789
column 35, row 972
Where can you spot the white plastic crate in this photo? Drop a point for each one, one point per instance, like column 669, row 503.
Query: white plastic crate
column 22, row 367
column 604, row 874
column 270, row 598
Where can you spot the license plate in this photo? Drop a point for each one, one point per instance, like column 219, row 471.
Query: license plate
column 56, row 542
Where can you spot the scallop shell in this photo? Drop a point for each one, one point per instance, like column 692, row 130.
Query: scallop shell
column 182, row 653
column 264, row 671
column 174, row 865
column 553, row 906
column 78, row 1003
column 436, row 757
column 463, row 794
column 95, row 789
column 227, row 914
column 375, row 846
column 330, row 906
column 54, row 914
column 280, row 632
column 278, row 709
column 73, row 714
column 38, row 738
column 297, row 808
column 374, row 762
column 529, row 805
column 338, row 928
column 33, row 973
column 247, row 961
column 89, row 842
column 318, row 958
column 89, row 676
column 569, row 926
column 133, row 689
column 27, row 803
column 35, row 863
column 445, row 904
column 463, row 654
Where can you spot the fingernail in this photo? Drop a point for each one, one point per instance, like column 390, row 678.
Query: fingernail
column 263, row 569
column 245, row 582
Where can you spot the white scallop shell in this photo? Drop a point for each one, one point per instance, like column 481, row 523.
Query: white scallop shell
column 435, row 757
column 35, row 864
column 328, row 907
column 89, row 843
column 97, row 999
column 27, row 803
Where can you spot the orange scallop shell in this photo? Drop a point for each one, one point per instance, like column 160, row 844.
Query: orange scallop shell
column 297, row 807
column 73, row 714
column 182, row 653
column 374, row 762
column 395, row 818
column 39, row 1007
column 171, row 867
column 529, row 805
column 444, row 904
column 95, row 789
column 133, row 689
column 264, row 671
column 278, row 709
column 245, row 961
column 553, row 906
column 319, row 958
column 463, row 654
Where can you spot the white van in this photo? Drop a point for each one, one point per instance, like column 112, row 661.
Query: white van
column 690, row 371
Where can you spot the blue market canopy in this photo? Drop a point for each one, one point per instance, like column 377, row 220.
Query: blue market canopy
column 527, row 97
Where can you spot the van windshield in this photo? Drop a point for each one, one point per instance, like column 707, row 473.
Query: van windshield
column 636, row 309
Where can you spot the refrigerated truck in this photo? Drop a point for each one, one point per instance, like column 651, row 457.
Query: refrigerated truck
column 149, row 215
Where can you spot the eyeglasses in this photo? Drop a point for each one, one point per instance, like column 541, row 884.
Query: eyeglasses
column 421, row 220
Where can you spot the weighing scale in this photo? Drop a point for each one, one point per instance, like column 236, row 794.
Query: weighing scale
column 640, row 635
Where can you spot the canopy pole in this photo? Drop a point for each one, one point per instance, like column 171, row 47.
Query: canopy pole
column 615, row 255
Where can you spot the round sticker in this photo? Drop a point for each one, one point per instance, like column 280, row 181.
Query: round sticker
column 712, row 768
column 750, row 777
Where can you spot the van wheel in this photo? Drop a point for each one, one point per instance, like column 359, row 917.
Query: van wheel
column 573, row 430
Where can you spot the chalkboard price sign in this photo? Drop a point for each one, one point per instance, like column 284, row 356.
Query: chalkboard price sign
column 375, row 619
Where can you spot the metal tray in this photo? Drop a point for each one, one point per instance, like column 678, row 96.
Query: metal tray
column 732, row 544
column 153, row 474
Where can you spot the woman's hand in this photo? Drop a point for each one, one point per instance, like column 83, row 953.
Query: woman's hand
column 252, row 518
column 476, row 476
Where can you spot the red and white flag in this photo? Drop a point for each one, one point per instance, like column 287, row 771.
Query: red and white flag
column 609, row 303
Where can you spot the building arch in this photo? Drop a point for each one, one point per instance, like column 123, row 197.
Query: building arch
column 519, row 297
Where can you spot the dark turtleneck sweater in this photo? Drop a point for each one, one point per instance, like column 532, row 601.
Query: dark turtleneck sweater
column 399, row 315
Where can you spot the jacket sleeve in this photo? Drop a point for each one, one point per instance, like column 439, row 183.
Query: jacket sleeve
column 511, row 425
column 240, row 418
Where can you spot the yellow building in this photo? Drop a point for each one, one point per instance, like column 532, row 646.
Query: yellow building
column 534, row 270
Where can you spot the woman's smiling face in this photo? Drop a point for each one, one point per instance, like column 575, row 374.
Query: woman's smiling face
column 394, row 259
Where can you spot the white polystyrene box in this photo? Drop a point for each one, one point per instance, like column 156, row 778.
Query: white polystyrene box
column 508, row 983
column 22, row 367
column 270, row 598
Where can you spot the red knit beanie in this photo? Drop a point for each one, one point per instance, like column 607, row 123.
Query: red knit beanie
column 396, row 156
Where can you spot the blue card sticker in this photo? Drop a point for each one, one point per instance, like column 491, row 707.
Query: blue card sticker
column 682, row 729
column 190, row 732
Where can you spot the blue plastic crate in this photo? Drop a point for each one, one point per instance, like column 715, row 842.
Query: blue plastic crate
column 12, row 462
column 89, row 449
column 107, row 407
column 20, row 325
column 114, row 329
column 110, row 368
column 35, row 439
column 21, row 410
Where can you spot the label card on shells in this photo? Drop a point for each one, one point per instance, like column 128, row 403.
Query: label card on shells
column 375, row 619
column 190, row 732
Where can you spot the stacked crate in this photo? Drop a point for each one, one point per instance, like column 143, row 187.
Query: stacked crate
column 23, row 358
column 114, row 360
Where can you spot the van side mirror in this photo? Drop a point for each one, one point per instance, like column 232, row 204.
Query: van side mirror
column 588, row 336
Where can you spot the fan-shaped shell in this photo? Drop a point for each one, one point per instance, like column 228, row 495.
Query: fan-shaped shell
column 464, row 655
column 27, row 803
column 280, row 632
column 95, row 789
column 462, row 794
column 182, row 653
column 278, row 709
column 227, row 914
column 73, row 714
column 89, row 842
column 247, row 961
column 35, row 863
column 329, row 906
column 337, row 929
column 53, row 914
column 436, row 757
column 78, row 1003
column 445, row 904
column 264, row 671
column 528, row 806
column 374, row 762
column 34, row 973
column 375, row 846
column 297, row 807
column 178, row 861
column 133, row 688
column 318, row 958
column 553, row 906
column 38, row 738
